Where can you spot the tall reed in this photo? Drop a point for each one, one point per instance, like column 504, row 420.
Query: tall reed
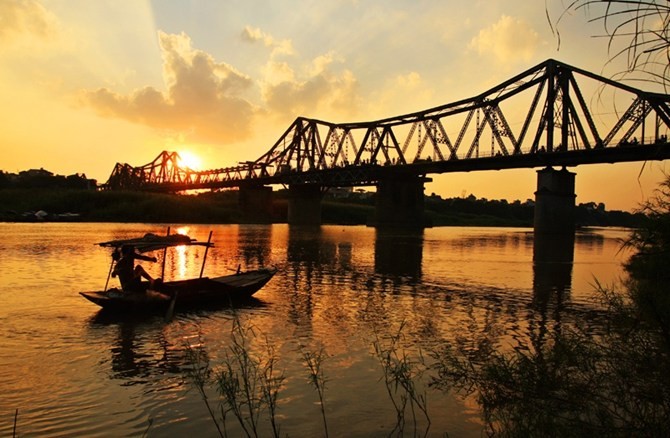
column 200, row 374
column 313, row 360
column 248, row 383
column 400, row 374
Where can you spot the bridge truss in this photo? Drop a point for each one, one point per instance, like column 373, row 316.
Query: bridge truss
column 165, row 173
column 537, row 118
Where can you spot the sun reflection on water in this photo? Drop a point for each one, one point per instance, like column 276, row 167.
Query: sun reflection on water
column 178, row 257
column 180, row 261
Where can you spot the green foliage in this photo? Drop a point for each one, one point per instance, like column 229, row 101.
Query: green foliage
column 33, row 179
column 574, row 385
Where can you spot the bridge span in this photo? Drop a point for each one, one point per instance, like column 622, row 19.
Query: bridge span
column 538, row 119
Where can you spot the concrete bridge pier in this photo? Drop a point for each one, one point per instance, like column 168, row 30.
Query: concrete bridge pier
column 256, row 204
column 304, row 204
column 400, row 203
column 555, row 202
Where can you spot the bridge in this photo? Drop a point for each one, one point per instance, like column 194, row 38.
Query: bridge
column 537, row 119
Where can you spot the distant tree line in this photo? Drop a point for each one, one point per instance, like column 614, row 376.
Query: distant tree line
column 43, row 179
column 340, row 206
column 468, row 210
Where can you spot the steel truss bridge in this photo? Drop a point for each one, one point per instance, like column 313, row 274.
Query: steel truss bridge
column 538, row 118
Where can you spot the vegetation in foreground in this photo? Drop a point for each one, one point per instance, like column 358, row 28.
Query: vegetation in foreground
column 248, row 381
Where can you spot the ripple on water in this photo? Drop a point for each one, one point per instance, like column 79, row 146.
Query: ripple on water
column 71, row 371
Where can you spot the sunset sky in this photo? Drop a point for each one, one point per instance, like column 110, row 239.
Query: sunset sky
column 85, row 84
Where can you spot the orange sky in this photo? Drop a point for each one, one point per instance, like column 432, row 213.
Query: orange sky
column 87, row 84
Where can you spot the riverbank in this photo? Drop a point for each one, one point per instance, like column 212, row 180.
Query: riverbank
column 24, row 205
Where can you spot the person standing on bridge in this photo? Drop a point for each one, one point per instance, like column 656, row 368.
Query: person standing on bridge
column 130, row 276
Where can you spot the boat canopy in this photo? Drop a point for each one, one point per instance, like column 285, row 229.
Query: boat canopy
column 153, row 242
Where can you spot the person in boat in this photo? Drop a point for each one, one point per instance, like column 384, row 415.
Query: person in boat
column 130, row 275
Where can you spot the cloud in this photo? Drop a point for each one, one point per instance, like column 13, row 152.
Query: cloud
column 509, row 39
column 202, row 98
column 205, row 99
column 24, row 18
column 254, row 34
column 401, row 94
column 317, row 88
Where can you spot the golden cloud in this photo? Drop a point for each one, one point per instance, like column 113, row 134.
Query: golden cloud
column 324, row 91
column 509, row 39
column 24, row 17
column 203, row 98
column 316, row 88
column 254, row 34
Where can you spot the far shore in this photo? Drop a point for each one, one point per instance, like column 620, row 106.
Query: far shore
column 62, row 205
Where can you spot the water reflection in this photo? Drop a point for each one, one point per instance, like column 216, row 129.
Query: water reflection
column 552, row 279
column 255, row 245
column 552, row 269
column 399, row 253
column 304, row 260
column 144, row 346
column 512, row 242
column 140, row 348
column 553, row 264
column 323, row 278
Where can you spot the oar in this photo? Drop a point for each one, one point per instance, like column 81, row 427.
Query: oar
column 209, row 239
column 164, row 257
column 170, row 310
column 111, row 265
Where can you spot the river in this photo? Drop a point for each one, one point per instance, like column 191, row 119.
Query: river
column 72, row 371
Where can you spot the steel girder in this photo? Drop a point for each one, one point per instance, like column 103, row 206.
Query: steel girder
column 564, row 123
column 541, row 111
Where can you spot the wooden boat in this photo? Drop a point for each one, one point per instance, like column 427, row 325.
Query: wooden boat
column 191, row 292
column 186, row 293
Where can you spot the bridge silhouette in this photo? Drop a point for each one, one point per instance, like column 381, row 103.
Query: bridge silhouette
column 537, row 119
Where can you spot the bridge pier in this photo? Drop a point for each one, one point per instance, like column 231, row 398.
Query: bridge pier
column 555, row 202
column 304, row 204
column 399, row 203
column 256, row 204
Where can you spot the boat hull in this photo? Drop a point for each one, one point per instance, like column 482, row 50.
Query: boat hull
column 189, row 293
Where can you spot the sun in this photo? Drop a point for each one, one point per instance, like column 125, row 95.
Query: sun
column 190, row 160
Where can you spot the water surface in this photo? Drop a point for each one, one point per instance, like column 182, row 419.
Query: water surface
column 70, row 370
